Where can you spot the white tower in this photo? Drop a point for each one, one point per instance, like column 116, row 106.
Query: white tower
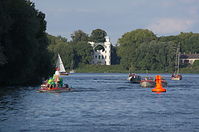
column 108, row 50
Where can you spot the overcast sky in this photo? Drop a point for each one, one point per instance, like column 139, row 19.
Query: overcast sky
column 116, row 17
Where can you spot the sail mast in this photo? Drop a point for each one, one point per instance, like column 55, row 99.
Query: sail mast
column 178, row 63
column 178, row 59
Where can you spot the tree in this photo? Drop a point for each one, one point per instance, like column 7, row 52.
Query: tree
column 78, row 36
column 115, row 59
column 24, row 43
column 84, row 52
column 129, row 43
column 155, row 55
column 136, row 37
column 2, row 57
column 189, row 42
column 98, row 35
column 196, row 63
column 5, row 23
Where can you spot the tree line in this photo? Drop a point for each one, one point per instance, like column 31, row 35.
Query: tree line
column 141, row 49
column 137, row 50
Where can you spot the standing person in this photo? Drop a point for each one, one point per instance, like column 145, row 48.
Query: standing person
column 56, row 77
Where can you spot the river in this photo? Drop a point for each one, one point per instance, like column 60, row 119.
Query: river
column 103, row 102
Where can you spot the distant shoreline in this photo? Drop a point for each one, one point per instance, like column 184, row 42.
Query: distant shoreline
column 119, row 69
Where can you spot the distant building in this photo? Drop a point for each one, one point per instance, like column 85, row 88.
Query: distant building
column 102, row 56
column 189, row 58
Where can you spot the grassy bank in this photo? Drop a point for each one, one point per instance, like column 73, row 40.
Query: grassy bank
column 190, row 70
column 100, row 69
column 120, row 69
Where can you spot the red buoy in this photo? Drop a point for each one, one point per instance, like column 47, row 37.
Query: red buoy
column 158, row 88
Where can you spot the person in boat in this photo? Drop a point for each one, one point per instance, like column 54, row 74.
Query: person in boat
column 60, row 82
column 131, row 74
column 56, row 77
column 50, row 83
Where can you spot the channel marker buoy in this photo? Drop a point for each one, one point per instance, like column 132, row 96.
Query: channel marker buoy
column 158, row 88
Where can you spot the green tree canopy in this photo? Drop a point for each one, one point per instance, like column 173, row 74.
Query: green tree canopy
column 134, row 38
column 98, row 35
column 130, row 42
column 78, row 36
column 23, row 42
column 72, row 53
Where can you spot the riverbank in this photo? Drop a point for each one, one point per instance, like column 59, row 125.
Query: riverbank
column 120, row 69
column 100, row 69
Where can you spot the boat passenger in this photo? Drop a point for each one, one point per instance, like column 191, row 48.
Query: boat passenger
column 51, row 83
column 56, row 77
column 61, row 82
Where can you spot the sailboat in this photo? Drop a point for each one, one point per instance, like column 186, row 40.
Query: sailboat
column 60, row 65
column 176, row 75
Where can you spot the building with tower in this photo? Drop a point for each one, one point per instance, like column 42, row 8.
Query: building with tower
column 102, row 52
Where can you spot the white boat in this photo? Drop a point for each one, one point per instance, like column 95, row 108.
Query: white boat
column 60, row 65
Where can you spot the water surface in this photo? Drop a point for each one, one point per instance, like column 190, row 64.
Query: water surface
column 103, row 102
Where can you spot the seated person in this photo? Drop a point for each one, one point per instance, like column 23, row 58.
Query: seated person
column 61, row 82
column 51, row 83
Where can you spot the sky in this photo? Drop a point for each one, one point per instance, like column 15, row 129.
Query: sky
column 117, row 17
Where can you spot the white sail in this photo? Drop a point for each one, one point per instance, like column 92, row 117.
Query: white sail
column 60, row 64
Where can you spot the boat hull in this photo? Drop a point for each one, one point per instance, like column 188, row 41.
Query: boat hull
column 173, row 78
column 134, row 79
column 177, row 77
column 64, row 73
column 44, row 88
column 62, row 89
column 150, row 84
column 147, row 84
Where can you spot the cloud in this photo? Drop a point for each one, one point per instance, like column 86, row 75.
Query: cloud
column 170, row 25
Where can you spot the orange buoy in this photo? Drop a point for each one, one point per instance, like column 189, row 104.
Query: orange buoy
column 158, row 88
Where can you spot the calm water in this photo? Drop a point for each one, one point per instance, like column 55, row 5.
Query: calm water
column 103, row 103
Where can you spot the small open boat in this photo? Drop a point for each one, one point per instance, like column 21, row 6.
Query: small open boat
column 147, row 82
column 150, row 82
column 134, row 78
column 176, row 77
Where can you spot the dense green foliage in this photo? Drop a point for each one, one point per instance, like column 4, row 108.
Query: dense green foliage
column 138, row 50
column 24, row 58
column 129, row 45
column 142, row 50
column 78, row 36
column 98, row 35
column 73, row 53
